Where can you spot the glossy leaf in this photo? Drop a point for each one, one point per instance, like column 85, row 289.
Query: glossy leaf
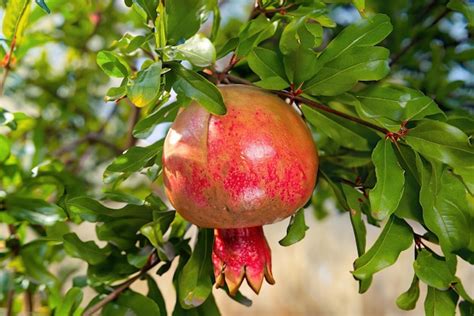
column 440, row 303
column 70, row 303
column 441, row 142
column 353, row 198
column 300, row 65
column 433, row 270
column 407, row 300
column 145, row 89
column 35, row 211
column 386, row 195
column 344, row 133
column 364, row 33
column 134, row 159
column 155, row 230
column 396, row 236
column 254, row 33
column 342, row 73
column 92, row 210
column 198, row 50
column 147, row 125
column 133, row 303
column 154, row 293
column 87, row 251
column 300, row 33
column 269, row 67
column 15, row 19
column 196, row 87
column 445, row 207
column 396, row 103
column 296, row 229
column 183, row 19
column 112, row 64
column 195, row 280
column 4, row 148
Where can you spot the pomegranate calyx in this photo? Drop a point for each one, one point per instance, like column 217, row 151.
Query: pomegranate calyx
column 240, row 253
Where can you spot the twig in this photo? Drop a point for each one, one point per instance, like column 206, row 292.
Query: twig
column 10, row 299
column 414, row 40
column 153, row 260
column 315, row 105
column 131, row 124
column 28, row 302
column 91, row 138
column 6, row 65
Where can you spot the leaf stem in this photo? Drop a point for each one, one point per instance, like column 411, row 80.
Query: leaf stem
column 314, row 105
column 153, row 260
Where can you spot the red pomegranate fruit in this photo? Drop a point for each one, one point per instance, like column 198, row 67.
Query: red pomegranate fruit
column 253, row 166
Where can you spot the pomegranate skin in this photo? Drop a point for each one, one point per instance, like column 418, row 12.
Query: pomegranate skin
column 255, row 165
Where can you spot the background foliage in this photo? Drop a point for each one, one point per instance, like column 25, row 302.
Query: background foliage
column 386, row 87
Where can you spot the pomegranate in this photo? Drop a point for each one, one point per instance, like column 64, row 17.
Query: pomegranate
column 253, row 166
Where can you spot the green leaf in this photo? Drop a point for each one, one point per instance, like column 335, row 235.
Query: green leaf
column 183, row 19
column 87, row 251
column 433, row 270
column 407, row 300
column 15, row 19
column 342, row 73
column 299, row 33
column 121, row 232
column 465, row 7
column 4, row 148
column 345, row 133
column 112, row 64
column 445, row 206
column 154, row 293
column 146, row 126
column 296, row 229
column 364, row 33
column 8, row 119
column 440, row 303
column 253, row 33
column 198, row 50
column 396, row 236
column 300, row 65
column 145, row 89
column 33, row 258
column 196, row 87
column 360, row 5
column 148, row 6
column 70, row 303
column 43, row 6
column 396, row 103
column 91, row 210
column 441, row 142
column 135, row 158
column 34, row 211
column 132, row 303
column 466, row 308
column 195, row 279
column 269, row 67
column 155, row 230
column 388, row 191
column 115, row 93
column 353, row 198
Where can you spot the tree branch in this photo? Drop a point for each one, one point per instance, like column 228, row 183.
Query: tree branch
column 153, row 260
column 6, row 64
column 131, row 140
column 315, row 105
column 91, row 138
